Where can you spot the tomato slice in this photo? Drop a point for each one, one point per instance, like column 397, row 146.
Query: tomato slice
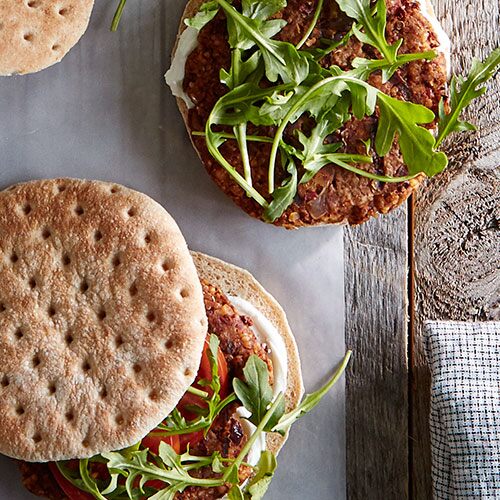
column 73, row 492
column 205, row 371
column 153, row 441
column 190, row 439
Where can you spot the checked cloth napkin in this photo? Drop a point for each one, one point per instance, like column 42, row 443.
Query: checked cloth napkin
column 465, row 408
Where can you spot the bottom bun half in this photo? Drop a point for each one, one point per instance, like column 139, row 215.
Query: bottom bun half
column 234, row 281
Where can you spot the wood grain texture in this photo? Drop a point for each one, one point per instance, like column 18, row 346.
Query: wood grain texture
column 376, row 386
column 456, row 218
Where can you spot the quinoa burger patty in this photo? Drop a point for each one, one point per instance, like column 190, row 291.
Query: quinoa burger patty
column 333, row 195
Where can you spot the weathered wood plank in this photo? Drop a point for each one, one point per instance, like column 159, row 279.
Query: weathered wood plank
column 457, row 242
column 376, row 386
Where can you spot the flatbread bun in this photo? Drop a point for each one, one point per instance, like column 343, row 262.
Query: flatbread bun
column 234, row 281
column 35, row 34
column 102, row 320
column 345, row 197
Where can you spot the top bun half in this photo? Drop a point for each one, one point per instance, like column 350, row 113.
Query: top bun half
column 102, row 320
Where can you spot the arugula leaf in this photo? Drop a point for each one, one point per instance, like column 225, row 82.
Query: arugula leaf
column 238, row 73
column 88, row 481
column 240, row 70
column 176, row 424
column 78, row 481
column 225, row 135
column 462, row 92
column 281, row 59
column 212, row 353
column 387, row 67
column 241, row 105
column 374, row 25
column 318, row 101
column 310, row 401
column 255, row 392
column 173, row 469
column 283, row 196
column 314, row 147
column 220, row 114
column 265, row 468
column 275, row 106
column 342, row 160
column 310, row 29
column 417, row 143
column 257, row 9
column 205, row 14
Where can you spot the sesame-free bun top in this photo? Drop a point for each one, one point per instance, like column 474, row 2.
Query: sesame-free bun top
column 35, row 34
column 102, row 321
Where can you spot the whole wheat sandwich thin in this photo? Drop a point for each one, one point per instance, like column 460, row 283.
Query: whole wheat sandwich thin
column 130, row 367
column 35, row 34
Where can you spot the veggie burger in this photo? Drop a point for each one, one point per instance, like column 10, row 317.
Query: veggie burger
column 309, row 112
column 129, row 367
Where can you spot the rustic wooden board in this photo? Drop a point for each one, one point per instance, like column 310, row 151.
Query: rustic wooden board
column 456, row 219
column 456, row 248
column 376, row 387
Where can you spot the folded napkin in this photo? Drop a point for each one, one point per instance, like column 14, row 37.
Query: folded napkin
column 465, row 408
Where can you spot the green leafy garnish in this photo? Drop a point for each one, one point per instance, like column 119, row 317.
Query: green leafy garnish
column 283, row 195
column 417, row 143
column 310, row 29
column 462, row 92
column 172, row 469
column 205, row 14
column 256, row 394
column 310, row 401
column 388, row 68
column 281, row 59
column 132, row 470
column 373, row 25
column 371, row 30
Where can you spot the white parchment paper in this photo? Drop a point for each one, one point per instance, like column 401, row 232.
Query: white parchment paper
column 105, row 113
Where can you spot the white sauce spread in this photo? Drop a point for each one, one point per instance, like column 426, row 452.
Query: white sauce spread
column 443, row 39
column 175, row 75
column 266, row 333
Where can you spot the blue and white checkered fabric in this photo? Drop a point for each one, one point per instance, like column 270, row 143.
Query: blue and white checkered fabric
column 465, row 409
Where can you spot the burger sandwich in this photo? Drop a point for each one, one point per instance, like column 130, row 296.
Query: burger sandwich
column 131, row 368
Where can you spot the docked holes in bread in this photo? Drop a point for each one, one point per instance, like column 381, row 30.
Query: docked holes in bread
column 35, row 34
column 99, row 338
